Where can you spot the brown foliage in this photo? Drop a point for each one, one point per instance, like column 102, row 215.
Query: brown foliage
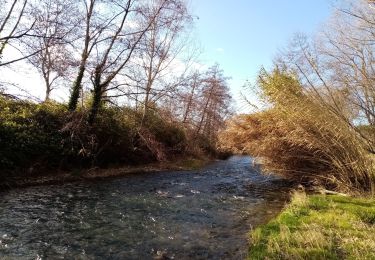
column 302, row 140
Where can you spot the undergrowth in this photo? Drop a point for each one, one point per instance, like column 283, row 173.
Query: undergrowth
column 37, row 136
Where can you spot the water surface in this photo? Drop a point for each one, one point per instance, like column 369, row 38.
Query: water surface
column 202, row 214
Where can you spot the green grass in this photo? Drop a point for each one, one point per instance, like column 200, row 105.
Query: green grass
column 318, row 227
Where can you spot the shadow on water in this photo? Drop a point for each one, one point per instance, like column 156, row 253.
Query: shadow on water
column 203, row 214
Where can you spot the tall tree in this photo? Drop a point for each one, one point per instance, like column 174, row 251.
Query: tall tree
column 160, row 46
column 90, row 35
column 135, row 21
column 55, row 23
column 13, row 26
column 215, row 105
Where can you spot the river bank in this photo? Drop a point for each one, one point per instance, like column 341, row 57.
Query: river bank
column 47, row 143
column 59, row 176
column 318, row 227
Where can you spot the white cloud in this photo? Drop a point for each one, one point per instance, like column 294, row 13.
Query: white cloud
column 220, row 50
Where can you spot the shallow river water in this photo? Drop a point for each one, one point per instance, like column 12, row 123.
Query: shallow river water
column 202, row 214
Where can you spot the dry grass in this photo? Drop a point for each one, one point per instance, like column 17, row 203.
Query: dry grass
column 302, row 139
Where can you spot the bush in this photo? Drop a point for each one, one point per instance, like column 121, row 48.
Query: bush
column 302, row 139
column 170, row 134
column 28, row 133
column 47, row 135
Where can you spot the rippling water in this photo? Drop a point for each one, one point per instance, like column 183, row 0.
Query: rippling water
column 203, row 214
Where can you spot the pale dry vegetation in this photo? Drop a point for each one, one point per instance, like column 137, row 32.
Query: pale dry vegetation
column 318, row 123
column 301, row 139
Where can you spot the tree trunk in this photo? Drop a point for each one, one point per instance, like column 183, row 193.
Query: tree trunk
column 76, row 88
column 97, row 96
column 190, row 101
column 73, row 101
column 48, row 91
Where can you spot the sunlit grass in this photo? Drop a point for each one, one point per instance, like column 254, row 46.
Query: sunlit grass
column 318, row 227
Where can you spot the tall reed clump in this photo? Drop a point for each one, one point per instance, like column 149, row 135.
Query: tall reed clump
column 301, row 138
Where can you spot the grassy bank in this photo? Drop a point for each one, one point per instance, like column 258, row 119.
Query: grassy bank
column 318, row 227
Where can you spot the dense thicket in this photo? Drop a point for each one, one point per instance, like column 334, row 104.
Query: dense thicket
column 33, row 134
column 299, row 138
column 36, row 137
column 317, row 124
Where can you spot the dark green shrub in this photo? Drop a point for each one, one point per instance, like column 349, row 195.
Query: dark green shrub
column 28, row 134
column 48, row 135
column 170, row 134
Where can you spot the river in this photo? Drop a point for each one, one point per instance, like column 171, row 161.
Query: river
column 201, row 214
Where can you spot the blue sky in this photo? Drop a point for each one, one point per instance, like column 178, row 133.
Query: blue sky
column 240, row 35
column 243, row 35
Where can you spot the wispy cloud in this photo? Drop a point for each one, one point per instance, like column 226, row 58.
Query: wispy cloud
column 220, row 50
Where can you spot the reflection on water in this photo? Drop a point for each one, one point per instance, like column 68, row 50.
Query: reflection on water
column 202, row 214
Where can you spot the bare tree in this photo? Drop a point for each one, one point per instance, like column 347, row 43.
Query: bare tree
column 215, row 102
column 135, row 21
column 92, row 31
column 189, row 97
column 338, row 67
column 13, row 26
column 54, row 25
column 348, row 47
column 159, row 48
